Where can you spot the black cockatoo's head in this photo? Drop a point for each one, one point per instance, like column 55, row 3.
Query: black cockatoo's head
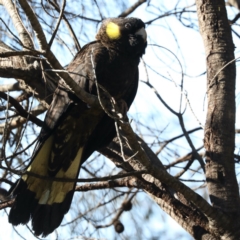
column 124, row 34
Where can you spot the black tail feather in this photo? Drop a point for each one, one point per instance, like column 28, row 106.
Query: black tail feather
column 20, row 212
column 45, row 218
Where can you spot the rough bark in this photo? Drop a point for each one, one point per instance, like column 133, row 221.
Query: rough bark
column 219, row 139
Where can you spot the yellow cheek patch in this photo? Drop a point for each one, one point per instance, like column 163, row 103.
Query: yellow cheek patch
column 113, row 30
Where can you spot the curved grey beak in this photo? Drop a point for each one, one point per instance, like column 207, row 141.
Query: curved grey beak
column 142, row 32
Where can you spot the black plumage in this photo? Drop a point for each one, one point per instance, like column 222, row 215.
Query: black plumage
column 73, row 130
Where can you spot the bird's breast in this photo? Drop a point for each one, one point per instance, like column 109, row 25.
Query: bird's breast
column 120, row 77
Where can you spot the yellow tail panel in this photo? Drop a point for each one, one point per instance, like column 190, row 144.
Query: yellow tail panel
column 49, row 191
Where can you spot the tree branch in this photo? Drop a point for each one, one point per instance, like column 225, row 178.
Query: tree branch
column 132, row 8
column 23, row 33
column 22, row 112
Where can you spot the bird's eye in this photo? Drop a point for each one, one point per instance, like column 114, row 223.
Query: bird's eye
column 128, row 25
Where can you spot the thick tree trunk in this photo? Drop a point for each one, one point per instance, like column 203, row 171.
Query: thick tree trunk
column 219, row 139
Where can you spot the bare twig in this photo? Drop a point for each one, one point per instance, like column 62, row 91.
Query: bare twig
column 18, row 121
column 167, row 15
column 99, row 10
column 22, row 112
column 175, row 138
column 58, row 24
column 97, row 179
column 184, row 158
column 112, row 100
column 72, row 32
column 132, row 8
column 4, row 137
column 20, row 152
